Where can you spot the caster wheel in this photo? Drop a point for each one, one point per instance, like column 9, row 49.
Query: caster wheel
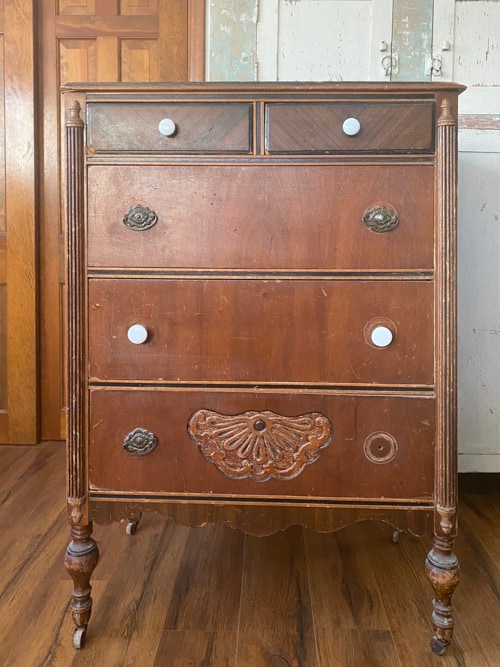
column 438, row 646
column 397, row 536
column 131, row 527
column 79, row 637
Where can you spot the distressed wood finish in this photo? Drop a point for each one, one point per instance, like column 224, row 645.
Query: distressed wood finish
column 442, row 565
column 288, row 197
column 199, row 128
column 250, row 332
column 410, row 129
column 230, row 369
column 75, row 356
column 344, row 471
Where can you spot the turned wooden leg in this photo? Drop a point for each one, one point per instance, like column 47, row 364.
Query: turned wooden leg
column 82, row 556
column 443, row 571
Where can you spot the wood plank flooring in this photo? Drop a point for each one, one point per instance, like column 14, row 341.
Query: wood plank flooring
column 172, row 596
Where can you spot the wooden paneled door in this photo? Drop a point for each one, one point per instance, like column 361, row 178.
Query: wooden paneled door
column 19, row 418
column 47, row 43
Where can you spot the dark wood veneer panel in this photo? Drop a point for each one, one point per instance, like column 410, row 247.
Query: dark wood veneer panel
column 317, row 127
column 133, row 127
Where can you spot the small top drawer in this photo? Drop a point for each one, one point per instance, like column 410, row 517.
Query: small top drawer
column 177, row 127
column 318, row 127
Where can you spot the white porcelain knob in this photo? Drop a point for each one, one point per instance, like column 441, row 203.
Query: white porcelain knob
column 351, row 126
column 167, row 127
column 381, row 336
column 137, row 334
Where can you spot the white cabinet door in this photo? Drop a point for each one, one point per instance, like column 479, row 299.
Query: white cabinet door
column 299, row 40
column 324, row 40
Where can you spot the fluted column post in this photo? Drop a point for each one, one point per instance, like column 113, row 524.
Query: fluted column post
column 442, row 565
column 82, row 553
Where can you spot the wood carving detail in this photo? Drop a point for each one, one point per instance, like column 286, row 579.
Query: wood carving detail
column 140, row 218
column 447, row 518
column 380, row 219
column 260, row 445
column 76, row 505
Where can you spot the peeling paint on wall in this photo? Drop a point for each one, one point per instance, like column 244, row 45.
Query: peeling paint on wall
column 233, row 38
column 412, row 38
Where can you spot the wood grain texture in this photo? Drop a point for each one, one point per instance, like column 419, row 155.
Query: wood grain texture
column 176, row 467
column 21, row 210
column 51, row 232
column 149, row 582
column 3, row 354
column 200, row 128
column 3, row 261
column 196, row 47
column 275, row 613
column 321, row 210
column 384, row 127
column 242, row 331
column 92, row 41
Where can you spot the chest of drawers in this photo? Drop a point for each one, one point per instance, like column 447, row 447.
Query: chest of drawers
column 261, row 311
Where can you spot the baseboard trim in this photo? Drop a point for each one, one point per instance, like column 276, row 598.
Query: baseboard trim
column 479, row 463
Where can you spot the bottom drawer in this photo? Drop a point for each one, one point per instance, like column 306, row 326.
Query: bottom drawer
column 261, row 444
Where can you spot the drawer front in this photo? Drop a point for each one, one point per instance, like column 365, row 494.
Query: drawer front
column 261, row 331
column 371, row 447
column 319, row 127
column 261, row 217
column 134, row 127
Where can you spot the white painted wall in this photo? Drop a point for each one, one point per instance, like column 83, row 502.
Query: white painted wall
column 476, row 62
column 340, row 40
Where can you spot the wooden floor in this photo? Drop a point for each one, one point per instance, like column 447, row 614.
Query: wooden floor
column 171, row 596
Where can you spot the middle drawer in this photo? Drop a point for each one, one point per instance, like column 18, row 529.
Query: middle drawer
column 261, row 331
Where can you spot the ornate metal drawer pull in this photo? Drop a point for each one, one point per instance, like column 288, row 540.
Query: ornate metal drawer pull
column 260, row 445
column 139, row 218
column 140, row 442
column 381, row 219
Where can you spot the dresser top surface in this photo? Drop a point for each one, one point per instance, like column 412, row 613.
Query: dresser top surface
column 268, row 88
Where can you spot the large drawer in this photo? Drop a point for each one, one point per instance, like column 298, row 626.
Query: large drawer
column 263, row 445
column 197, row 127
column 318, row 127
column 261, row 331
column 260, row 217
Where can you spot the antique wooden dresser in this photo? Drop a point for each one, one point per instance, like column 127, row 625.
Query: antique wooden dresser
column 261, row 312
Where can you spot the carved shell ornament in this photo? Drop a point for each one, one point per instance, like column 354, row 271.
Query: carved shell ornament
column 260, row 445
column 381, row 218
column 139, row 218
